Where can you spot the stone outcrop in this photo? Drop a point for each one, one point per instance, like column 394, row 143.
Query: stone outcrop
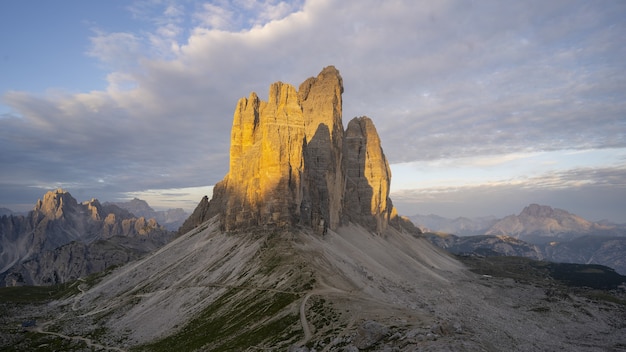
column 292, row 164
column 199, row 215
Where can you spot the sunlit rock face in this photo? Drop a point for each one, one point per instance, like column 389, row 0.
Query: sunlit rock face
column 263, row 185
column 292, row 164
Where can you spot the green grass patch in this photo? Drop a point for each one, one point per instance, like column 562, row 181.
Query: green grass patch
column 596, row 282
column 36, row 294
column 32, row 341
column 586, row 275
column 39, row 294
column 234, row 322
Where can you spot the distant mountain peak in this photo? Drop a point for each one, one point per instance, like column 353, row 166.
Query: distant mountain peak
column 56, row 203
column 543, row 211
column 540, row 221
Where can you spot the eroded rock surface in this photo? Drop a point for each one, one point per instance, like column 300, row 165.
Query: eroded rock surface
column 367, row 176
column 292, row 164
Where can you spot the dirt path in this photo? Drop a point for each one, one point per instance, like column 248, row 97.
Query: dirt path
column 41, row 329
column 89, row 342
column 77, row 298
column 306, row 328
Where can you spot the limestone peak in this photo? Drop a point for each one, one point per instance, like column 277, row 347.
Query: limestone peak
column 292, row 164
column 55, row 203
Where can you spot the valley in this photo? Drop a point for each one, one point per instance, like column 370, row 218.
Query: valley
column 300, row 291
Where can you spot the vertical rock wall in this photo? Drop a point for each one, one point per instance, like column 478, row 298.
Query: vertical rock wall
column 367, row 176
column 320, row 98
column 291, row 163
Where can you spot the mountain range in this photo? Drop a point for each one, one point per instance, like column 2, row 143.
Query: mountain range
column 171, row 219
column 62, row 240
column 539, row 232
column 5, row 211
column 300, row 249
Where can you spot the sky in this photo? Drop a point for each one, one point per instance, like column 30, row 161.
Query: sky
column 482, row 107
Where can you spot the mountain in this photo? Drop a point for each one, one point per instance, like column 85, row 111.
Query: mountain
column 541, row 223
column 486, row 245
column 171, row 219
column 590, row 249
column 61, row 240
column 300, row 250
column 539, row 232
column 292, row 164
column 460, row 226
column 5, row 211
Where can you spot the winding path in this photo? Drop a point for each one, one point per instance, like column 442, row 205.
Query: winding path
column 306, row 328
column 89, row 342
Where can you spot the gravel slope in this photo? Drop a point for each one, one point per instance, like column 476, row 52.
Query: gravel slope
column 347, row 290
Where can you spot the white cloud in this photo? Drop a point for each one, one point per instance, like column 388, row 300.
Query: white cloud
column 215, row 17
column 117, row 50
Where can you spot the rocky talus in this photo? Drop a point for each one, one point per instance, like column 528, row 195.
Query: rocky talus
column 292, row 164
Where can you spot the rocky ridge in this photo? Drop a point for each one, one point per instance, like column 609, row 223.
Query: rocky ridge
column 59, row 239
column 171, row 219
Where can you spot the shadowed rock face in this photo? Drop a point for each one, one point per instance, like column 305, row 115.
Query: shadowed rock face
column 367, row 176
column 291, row 163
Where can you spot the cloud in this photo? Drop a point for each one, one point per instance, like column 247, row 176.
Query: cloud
column 119, row 50
column 594, row 193
column 186, row 198
column 440, row 79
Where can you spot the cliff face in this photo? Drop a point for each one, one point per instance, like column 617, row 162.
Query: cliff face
column 324, row 177
column 367, row 176
column 263, row 185
column 291, row 163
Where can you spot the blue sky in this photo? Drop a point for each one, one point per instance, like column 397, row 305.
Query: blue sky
column 482, row 106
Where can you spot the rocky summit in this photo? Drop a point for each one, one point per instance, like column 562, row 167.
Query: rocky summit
column 291, row 163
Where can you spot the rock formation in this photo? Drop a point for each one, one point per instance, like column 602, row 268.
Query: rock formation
column 60, row 237
column 367, row 176
column 292, row 164
column 199, row 215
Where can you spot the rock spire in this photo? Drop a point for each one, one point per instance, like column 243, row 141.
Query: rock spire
column 292, row 164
